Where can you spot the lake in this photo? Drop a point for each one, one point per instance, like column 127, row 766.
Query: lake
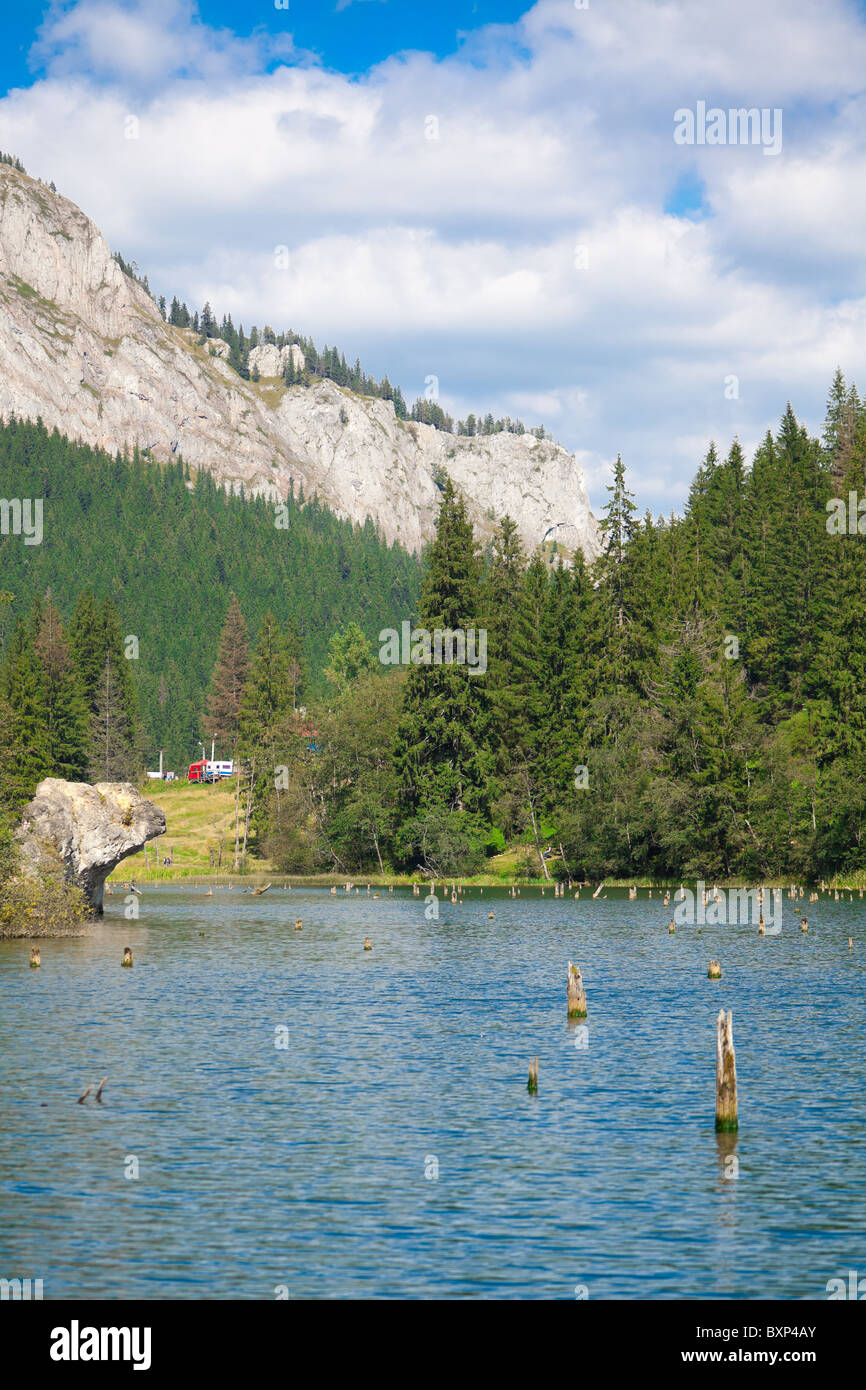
column 391, row 1149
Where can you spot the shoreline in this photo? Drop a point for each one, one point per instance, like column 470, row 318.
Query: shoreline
column 257, row 877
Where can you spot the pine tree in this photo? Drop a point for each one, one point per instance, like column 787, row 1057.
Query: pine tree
column 222, row 720
column 441, row 753
column 26, row 756
column 87, row 646
column 66, row 710
column 112, row 748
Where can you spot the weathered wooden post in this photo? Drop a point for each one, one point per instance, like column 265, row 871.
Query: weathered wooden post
column 576, row 993
column 368, row 945
column 532, row 1083
column 715, row 970
column 127, row 956
column 35, row 960
column 299, row 926
column 726, row 1075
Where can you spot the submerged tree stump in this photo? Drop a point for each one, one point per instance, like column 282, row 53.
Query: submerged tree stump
column 715, row 970
column 127, row 956
column 36, row 960
column 726, row 1075
column 532, row 1083
column 576, row 993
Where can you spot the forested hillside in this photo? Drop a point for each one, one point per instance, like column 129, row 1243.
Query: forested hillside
column 692, row 704
column 169, row 551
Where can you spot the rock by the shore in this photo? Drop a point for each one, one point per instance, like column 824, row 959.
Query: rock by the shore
column 90, row 829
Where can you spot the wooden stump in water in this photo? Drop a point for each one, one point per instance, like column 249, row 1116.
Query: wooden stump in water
column 532, row 1083
column 671, row 927
column 35, row 960
column 368, row 945
column 715, row 970
column 576, row 993
column 127, row 956
column 726, row 1075
column 299, row 926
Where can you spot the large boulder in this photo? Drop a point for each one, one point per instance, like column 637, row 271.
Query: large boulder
column 90, row 829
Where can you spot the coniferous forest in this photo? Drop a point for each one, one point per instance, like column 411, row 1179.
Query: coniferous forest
column 693, row 703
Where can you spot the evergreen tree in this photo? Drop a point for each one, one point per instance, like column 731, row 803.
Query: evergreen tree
column 112, row 748
column 441, row 752
column 65, row 707
column 229, row 676
column 25, row 740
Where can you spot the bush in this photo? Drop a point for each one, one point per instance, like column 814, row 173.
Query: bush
column 43, row 906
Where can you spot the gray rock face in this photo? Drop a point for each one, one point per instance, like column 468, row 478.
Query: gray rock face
column 90, row 828
column 269, row 360
column 82, row 345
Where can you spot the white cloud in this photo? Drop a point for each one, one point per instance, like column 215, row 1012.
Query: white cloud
column 456, row 255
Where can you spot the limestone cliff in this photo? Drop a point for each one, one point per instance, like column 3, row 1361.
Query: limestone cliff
column 85, row 348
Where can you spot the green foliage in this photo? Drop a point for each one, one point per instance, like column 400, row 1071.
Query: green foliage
column 350, row 657
column 43, row 904
column 693, row 703
column 168, row 550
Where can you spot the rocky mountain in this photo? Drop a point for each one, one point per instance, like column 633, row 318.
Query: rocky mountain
column 84, row 347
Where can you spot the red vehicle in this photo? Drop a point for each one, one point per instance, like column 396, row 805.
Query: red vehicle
column 199, row 772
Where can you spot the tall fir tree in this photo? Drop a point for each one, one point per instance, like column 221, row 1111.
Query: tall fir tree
column 442, row 754
column 225, row 694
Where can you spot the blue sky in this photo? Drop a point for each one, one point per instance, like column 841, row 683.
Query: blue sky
column 491, row 193
column 350, row 36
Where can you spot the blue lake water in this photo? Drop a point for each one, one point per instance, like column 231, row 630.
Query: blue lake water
column 303, row 1169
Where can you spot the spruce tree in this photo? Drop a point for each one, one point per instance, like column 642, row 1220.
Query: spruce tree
column 228, row 678
column 66, row 710
column 26, row 751
column 442, row 755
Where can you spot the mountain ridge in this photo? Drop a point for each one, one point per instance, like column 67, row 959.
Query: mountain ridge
column 84, row 347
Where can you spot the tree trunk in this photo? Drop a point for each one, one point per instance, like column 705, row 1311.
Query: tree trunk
column 576, row 993
column 726, row 1075
column 249, row 807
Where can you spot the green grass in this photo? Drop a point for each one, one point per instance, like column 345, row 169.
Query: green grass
column 197, row 818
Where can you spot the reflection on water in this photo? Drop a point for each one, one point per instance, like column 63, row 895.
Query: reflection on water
column 304, row 1113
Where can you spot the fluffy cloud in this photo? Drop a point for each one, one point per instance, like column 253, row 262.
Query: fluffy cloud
column 496, row 218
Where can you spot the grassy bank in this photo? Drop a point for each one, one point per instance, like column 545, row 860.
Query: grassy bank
column 200, row 820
